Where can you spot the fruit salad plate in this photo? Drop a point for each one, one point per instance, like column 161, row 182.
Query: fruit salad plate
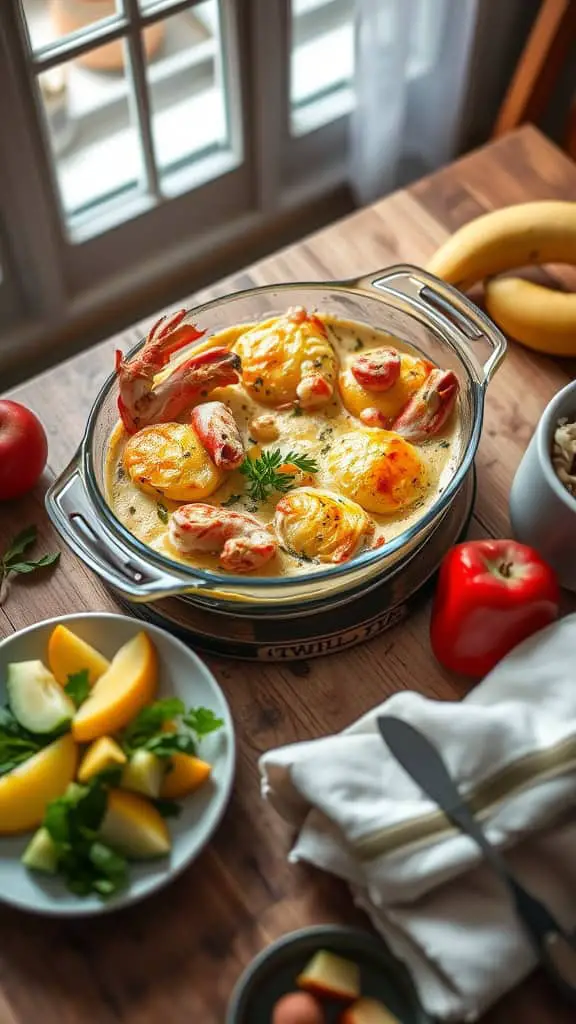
column 116, row 712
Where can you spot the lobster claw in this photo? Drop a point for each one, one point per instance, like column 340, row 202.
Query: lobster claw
column 428, row 410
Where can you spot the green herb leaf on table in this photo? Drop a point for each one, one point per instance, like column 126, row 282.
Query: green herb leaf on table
column 78, row 686
column 21, row 542
column 263, row 476
column 13, row 562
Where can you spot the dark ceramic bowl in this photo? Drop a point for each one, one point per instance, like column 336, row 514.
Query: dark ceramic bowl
column 273, row 973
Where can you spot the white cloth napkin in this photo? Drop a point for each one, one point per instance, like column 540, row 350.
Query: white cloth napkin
column 512, row 741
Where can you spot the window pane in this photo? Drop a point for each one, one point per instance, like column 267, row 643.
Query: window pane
column 322, row 61
column 94, row 142
column 50, row 20
column 187, row 93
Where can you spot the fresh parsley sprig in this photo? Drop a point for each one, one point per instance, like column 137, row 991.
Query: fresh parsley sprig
column 148, row 730
column 78, row 686
column 16, row 744
column 263, row 473
column 73, row 822
column 14, row 562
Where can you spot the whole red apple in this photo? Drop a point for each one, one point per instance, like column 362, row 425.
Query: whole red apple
column 23, row 449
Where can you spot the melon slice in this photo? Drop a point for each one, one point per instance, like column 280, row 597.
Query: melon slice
column 330, row 976
column 133, row 826
column 102, row 754
column 144, row 773
column 185, row 774
column 68, row 654
column 26, row 791
column 368, row 1011
column 127, row 685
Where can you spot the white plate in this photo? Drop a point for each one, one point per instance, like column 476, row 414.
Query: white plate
column 183, row 675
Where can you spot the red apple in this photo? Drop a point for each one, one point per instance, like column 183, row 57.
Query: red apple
column 23, row 449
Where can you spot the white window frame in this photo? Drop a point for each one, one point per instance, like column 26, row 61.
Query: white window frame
column 68, row 275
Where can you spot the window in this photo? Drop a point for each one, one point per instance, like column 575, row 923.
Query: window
column 139, row 137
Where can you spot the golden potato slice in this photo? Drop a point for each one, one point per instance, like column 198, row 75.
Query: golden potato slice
column 278, row 354
column 356, row 398
column 378, row 469
column 168, row 458
column 322, row 526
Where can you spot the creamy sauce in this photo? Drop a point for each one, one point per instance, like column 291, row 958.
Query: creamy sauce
column 309, row 433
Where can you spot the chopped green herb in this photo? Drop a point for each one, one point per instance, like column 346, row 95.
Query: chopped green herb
column 168, row 808
column 359, row 344
column 297, row 411
column 132, row 510
column 232, row 500
column 149, row 722
column 162, row 511
column 202, row 721
column 78, row 686
column 444, row 444
column 16, row 743
column 264, row 478
column 147, row 732
column 87, row 864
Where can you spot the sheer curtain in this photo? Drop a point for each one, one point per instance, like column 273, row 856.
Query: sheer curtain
column 412, row 65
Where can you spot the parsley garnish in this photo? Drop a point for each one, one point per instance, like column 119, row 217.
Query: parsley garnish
column 13, row 562
column 147, row 731
column 162, row 511
column 78, row 686
column 232, row 500
column 73, row 822
column 264, row 478
column 16, row 743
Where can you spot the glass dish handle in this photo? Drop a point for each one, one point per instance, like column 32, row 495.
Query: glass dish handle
column 69, row 509
column 445, row 303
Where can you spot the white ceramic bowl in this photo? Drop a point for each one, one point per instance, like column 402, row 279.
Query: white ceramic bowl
column 542, row 511
column 183, row 675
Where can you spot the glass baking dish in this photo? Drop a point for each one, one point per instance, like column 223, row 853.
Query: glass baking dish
column 433, row 317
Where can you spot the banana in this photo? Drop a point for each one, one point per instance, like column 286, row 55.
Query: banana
column 541, row 232
column 539, row 317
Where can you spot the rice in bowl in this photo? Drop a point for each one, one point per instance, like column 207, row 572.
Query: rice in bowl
column 564, row 453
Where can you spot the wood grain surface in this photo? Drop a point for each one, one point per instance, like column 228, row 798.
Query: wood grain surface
column 174, row 958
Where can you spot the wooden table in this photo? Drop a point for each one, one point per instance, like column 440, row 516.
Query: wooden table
column 175, row 958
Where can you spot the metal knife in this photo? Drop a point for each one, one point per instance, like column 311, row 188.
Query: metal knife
column 554, row 946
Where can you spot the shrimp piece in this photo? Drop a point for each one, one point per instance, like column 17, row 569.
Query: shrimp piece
column 218, row 432
column 380, row 470
column 321, row 525
column 241, row 541
column 428, row 410
column 141, row 402
column 366, row 401
column 265, row 428
column 378, row 369
column 288, row 361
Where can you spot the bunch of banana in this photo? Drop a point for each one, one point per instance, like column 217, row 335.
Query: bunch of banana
column 518, row 236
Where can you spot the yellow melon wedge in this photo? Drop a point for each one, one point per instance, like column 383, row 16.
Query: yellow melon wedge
column 102, row 754
column 133, row 826
column 185, row 774
column 128, row 684
column 68, row 654
column 26, row 791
